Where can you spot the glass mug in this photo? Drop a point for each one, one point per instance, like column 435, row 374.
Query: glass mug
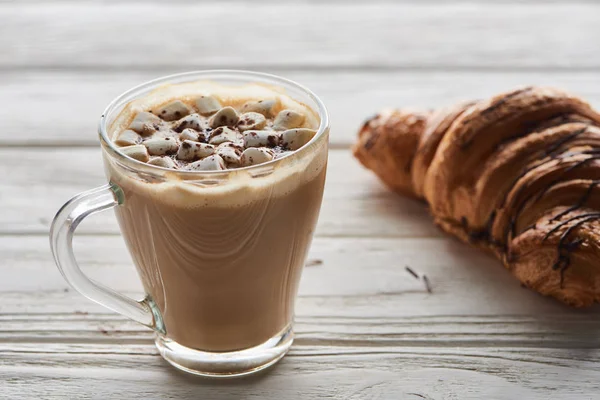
column 219, row 253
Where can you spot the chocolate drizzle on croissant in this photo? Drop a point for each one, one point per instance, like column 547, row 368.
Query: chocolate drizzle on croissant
column 517, row 175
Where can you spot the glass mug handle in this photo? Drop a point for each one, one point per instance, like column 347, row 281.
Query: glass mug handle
column 61, row 240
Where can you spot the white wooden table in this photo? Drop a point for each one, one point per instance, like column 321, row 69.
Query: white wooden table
column 366, row 329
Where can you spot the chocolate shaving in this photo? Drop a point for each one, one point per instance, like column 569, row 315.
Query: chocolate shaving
column 411, row 271
column 418, row 395
column 427, row 284
column 315, row 262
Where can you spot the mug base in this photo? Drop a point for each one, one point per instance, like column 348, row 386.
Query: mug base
column 226, row 364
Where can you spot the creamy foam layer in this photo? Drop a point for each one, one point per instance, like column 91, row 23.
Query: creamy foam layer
column 235, row 96
column 234, row 188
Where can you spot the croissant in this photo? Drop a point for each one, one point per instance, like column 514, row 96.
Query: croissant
column 517, row 175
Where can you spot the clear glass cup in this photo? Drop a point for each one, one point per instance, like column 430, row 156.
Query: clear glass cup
column 220, row 276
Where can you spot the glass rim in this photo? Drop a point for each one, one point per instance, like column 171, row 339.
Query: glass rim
column 130, row 94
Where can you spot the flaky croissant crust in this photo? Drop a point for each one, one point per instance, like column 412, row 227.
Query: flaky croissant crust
column 517, row 175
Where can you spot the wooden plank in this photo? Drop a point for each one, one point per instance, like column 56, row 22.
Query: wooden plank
column 477, row 326
column 412, row 374
column 478, row 334
column 427, row 35
column 465, row 281
column 79, row 329
column 355, row 204
column 78, row 98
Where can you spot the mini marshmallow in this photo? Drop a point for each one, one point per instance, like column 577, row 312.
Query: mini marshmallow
column 226, row 116
column 190, row 134
column 207, row 105
column 224, row 134
column 264, row 107
column 251, row 120
column 161, row 147
column 164, row 133
column 256, row 155
column 128, row 138
column 238, row 146
column 173, row 110
column 165, row 162
column 192, row 121
column 293, row 139
column 138, row 152
column 261, row 138
column 146, row 123
column 189, row 151
column 288, row 119
column 230, row 153
column 210, row 163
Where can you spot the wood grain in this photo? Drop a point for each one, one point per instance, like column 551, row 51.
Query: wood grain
column 357, row 278
column 328, row 35
column 62, row 108
column 477, row 334
column 412, row 374
column 79, row 329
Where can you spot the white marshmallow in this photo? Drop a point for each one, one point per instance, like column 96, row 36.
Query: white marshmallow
column 173, row 110
column 256, row 155
column 264, row 107
column 224, row 134
column 210, row 163
column 207, row 105
column 192, row 121
column 261, row 138
column 161, row 146
column 189, row 151
column 230, row 153
column 293, row 139
column 189, row 134
column 165, row 162
column 288, row 119
column 128, row 138
column 146, row 123
column 251, row 120
column 138, row 152
column 226, row 116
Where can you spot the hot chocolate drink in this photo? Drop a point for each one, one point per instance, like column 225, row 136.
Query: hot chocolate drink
column 220, row 240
